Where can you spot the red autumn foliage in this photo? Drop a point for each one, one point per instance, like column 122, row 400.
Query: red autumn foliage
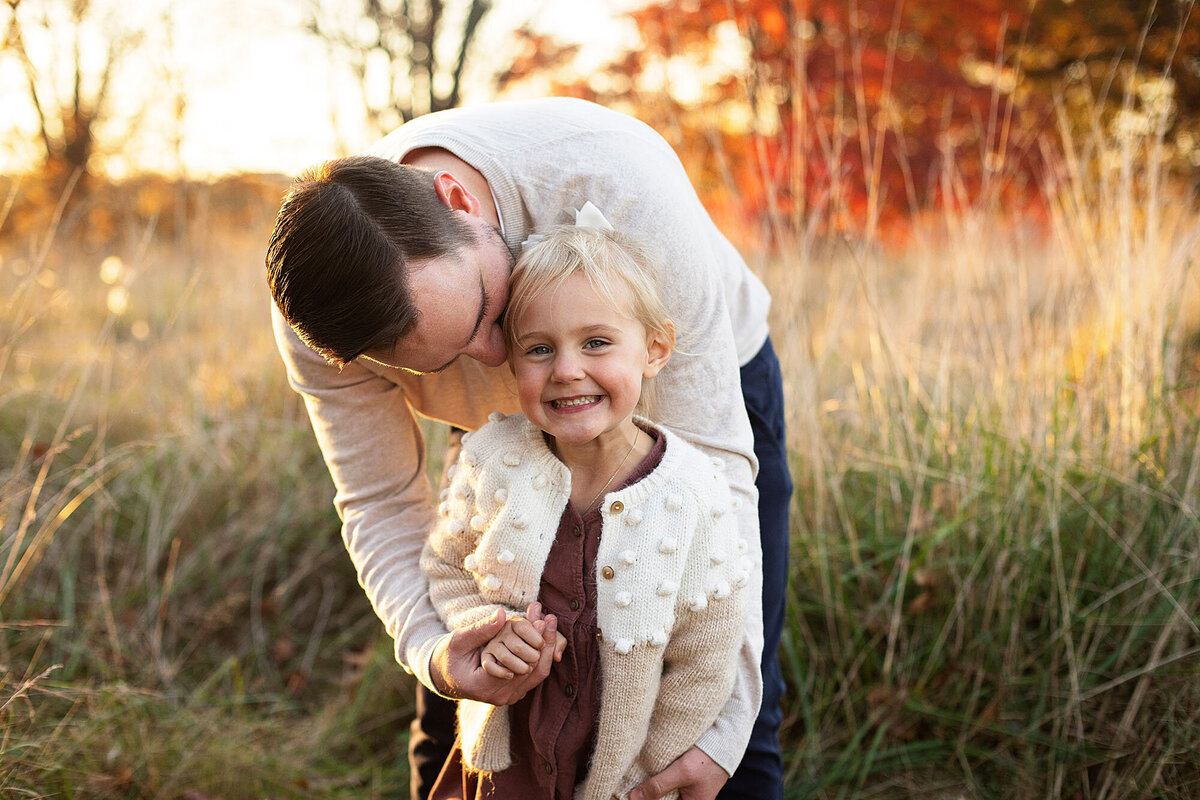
column 855, row 115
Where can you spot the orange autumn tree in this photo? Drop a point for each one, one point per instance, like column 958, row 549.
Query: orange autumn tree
column 1122, row 64
column 854, row 115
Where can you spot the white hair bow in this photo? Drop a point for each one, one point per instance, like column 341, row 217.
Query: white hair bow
column 590, row 217
column 587, row 217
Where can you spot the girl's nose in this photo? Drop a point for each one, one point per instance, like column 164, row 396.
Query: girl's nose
column 567, row 368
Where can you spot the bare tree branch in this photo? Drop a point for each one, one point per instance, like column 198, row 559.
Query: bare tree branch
column 68, row 111
column 479, row 9
column 404, row 38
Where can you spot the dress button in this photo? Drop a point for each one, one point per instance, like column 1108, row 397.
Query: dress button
column 617, row 507
column 577, row 530
column 607, row 573
column 569, row 690
column 574, row 604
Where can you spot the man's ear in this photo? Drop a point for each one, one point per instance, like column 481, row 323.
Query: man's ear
column 658, row 351
column 454, row 194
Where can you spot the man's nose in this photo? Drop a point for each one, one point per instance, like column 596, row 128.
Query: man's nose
column 488, row 349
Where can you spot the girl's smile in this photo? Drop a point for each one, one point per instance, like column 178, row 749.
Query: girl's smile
column 579, row 361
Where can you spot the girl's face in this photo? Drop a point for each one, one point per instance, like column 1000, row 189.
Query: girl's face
column 579, row 362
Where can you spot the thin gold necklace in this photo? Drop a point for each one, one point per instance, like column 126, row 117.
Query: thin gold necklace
column 637, row 435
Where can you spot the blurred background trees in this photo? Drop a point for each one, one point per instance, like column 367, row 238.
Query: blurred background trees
column 858, row 114
column 875, row 110
column 68, row 54
column 408, row 58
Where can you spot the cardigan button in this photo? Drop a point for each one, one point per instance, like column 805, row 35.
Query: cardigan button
column 549, row 767
column 577, row 530
column 617, row 507
column 574, row 604
column 569, row 690
column 607, row 573
column 599, row 635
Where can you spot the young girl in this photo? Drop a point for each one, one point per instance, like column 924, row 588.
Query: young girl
column 615, row 525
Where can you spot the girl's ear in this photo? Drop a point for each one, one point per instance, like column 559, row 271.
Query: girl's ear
column 659, row 348
column 454, row 195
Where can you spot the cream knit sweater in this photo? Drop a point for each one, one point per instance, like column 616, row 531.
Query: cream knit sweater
column 670, row 605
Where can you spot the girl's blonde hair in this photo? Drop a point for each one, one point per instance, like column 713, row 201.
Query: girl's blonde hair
column 608, row 260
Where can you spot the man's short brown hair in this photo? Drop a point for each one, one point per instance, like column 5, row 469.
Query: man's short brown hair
column 337, row 261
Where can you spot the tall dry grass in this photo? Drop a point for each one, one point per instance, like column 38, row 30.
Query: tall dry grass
column 995, row 545
column 178, row 614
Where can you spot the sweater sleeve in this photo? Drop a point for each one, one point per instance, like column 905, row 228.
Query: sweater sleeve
column 453, row 589
column 373, row 448
column 700, row 659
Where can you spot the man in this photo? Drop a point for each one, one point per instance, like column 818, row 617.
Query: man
column 390, row 273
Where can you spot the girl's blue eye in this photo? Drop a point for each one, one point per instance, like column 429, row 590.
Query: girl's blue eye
column 537, row 350
column 592, row 344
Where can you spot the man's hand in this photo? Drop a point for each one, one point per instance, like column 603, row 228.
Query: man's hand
column 694, row 774
column 457, row 671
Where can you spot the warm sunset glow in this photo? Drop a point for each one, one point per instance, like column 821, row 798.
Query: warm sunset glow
column 977, row 222
column 229, row 86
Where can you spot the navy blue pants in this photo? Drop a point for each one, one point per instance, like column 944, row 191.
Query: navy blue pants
column 760, row 775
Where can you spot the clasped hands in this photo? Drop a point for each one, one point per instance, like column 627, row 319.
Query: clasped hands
column 500, row 659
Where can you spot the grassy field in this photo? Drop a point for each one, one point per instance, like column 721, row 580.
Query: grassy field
column 996, row 542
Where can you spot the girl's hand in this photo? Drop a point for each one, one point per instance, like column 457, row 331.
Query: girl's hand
column 534, row 614
column 515, row 650
column 455, row 666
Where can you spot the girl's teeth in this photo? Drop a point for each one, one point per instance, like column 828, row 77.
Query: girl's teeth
column 578, row 401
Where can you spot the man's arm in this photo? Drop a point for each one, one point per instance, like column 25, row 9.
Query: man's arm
column 373, row 448
column 375, row 454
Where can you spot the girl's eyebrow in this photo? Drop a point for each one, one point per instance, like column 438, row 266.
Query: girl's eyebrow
column 585, row 330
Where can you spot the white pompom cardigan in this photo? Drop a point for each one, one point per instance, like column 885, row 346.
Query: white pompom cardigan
column 670, row 567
